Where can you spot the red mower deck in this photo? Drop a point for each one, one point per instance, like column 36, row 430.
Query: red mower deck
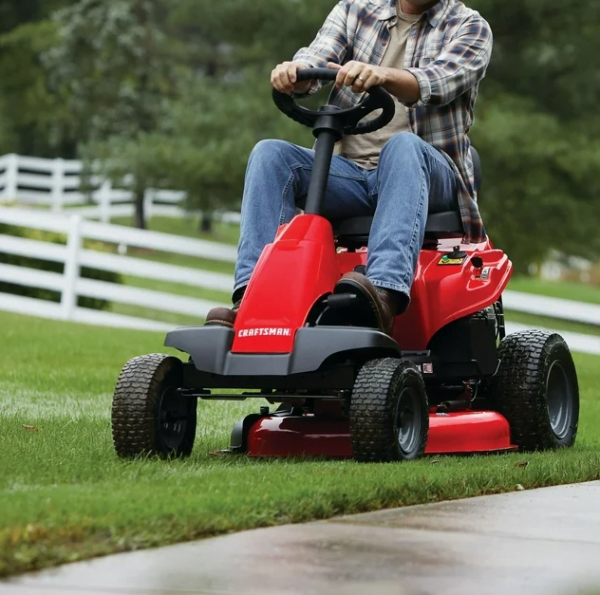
column 312, row 435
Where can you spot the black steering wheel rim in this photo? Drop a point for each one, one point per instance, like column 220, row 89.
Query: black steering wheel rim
column 375, row 98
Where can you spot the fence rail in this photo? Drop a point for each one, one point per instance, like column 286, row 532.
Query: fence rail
column 540, row 305
column 56, row 184
column 73, row 256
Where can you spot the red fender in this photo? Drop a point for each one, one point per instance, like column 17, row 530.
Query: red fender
column 292, row 274
column 447, row 289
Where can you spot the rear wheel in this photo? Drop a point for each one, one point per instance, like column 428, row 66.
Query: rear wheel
column 389, row 413
column 536, row 389
column 149, row 416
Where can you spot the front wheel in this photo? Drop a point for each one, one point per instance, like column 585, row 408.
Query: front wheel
column 149, row 416
column 389, row 413
column 536, row 389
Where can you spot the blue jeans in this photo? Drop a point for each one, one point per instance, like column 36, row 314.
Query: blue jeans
column 411, row 180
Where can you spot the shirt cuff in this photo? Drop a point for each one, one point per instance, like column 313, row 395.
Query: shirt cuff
column 424, row 85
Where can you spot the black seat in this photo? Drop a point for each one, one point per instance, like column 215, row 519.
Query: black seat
column 354, row 232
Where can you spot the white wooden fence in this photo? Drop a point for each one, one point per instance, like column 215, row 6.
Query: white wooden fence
column 56, row 184
column 70, row 284
column 74, row 256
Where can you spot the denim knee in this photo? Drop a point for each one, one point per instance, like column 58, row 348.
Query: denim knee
column 269, row 149
column 402, row 142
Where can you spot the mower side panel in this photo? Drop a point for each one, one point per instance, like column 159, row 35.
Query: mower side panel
column 447, row 289
column 293, row 272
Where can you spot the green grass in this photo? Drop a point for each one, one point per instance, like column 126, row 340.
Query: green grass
column 188, row 226
column 64, row 495
column 567, row 290
column 183, row 260
column 173, row 318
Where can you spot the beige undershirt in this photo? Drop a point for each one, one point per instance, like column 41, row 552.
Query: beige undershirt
column 364, row 149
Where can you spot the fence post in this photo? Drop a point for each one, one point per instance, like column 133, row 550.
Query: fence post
column 11, row 175
column 148, row 203
column 58, row 175
column 105, row 196
column 71, row 271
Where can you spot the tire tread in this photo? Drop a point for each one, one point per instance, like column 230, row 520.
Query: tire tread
column 519, row 388
column 137, row 391
column 372, row 409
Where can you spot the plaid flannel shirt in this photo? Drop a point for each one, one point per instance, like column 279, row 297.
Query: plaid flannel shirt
column 448, row 51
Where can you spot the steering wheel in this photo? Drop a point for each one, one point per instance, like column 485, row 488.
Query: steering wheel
column 376, row 98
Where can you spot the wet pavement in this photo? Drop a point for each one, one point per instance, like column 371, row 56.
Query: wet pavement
column 544, row 541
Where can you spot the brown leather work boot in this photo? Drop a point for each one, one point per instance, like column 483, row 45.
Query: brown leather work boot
column 223, row 316
column 381, row 304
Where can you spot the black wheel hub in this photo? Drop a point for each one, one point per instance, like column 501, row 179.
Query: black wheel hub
column 173, row 414
column 408, row 420
column 560, row 400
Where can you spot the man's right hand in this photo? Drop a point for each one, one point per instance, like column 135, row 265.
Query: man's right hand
column 284, row 77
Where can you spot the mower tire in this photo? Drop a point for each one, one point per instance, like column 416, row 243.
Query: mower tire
column 536, row 389
column 389, row 413
column 149, row 416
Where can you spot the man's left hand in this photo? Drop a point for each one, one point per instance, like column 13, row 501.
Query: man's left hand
column 359, row 76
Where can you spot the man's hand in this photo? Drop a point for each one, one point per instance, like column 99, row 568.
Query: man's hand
column 284, row 78
column 359, row 76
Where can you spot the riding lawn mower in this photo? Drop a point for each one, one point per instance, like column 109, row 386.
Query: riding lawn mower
column 448, row 381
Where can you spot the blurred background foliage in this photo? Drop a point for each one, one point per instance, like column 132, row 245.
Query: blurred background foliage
column 176, row 93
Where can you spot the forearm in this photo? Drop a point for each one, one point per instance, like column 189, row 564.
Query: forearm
column 401, row 84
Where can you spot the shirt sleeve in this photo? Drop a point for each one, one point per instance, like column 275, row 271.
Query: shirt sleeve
column 330, row 44
column 460, row 66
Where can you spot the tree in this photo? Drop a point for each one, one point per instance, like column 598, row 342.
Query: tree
column 113, row 67
column 214, row 126
column 536, row 129
column 31, row 117
column 14, row 13
column 169, row 102
column 225, row 108
column 533, row 198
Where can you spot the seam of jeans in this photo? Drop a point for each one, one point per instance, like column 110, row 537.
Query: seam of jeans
column 405, row 279
column 286, row 189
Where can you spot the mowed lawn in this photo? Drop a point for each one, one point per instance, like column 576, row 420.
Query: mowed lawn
column 65, row 496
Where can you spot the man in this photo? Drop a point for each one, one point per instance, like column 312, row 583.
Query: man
column 430, row 55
